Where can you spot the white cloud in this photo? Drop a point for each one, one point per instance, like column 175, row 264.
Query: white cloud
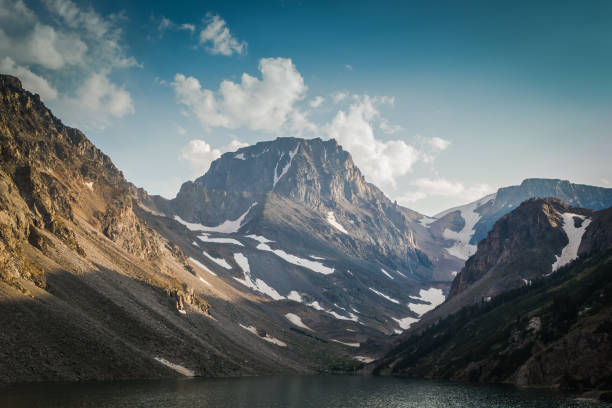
column 441, row 187
column 31, row 81
column 381, row 161
column 438, row 143
column 339, row 96
column 348, row 67
column 181, row 130
column 388, row 128
column 199, row 155
column 216, row 35
column 71, row 42
column 316, row 101
column 187, row 27
column 258, row 104
column 97, row 101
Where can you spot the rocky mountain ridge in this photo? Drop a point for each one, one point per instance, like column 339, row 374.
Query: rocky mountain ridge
column 531, row 307
column 91, row 290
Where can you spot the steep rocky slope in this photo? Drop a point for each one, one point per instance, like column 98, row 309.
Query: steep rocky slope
column 465, row 226
column 294, row 220
column 531, row 242
column 89, row 290
column 550, row 329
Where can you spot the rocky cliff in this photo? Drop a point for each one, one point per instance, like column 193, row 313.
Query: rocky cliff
column 522, row 310
column 89, row 290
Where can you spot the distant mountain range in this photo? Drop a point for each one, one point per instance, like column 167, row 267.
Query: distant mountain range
column 463, row 227
column 532, row 307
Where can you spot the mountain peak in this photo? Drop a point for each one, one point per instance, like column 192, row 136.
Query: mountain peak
column 9, row 81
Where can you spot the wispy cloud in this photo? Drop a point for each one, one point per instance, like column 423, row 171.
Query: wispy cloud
column 217, row 38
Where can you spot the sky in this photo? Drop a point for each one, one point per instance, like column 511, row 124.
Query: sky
column 439, row 103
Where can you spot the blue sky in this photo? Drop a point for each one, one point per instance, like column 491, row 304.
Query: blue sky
column 438, row 102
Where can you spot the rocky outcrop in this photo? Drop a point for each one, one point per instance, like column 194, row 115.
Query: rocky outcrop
column 555, row 333
column 522, row 246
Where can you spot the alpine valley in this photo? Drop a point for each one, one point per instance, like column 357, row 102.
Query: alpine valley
column 282, row 258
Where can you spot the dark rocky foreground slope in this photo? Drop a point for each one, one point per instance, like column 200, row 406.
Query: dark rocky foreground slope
column 550, row 329
column 89, row 290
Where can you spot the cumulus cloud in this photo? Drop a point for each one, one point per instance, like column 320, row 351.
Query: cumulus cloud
column 217, row 38
column 441, row 187
column 72, row 41
column 199, row 155
column 339, row 96
column 31, row 81
column 348, row 67
column 316, row 101
column 266, row 104
column 381, row 161
column 97, row 101
column 438, row 143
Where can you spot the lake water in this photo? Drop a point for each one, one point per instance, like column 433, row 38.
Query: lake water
column 273, row 392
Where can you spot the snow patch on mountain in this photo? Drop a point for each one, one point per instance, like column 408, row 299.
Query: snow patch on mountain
column 219, row 240
column 389, row 298
column 277, row 177
column 433, row 296
column 267, row 337
column 295, row 296
column 425, row 221
column 406, row 322
column 387, row 274
column 219, row 261
column 305, row 263
column 198, row 263
column 297, row 320
column 346, row 344
column 462, row 248
column 574, row 236
column 226, row 227
column 331, row 219
column 257, row 285
column 176, row 367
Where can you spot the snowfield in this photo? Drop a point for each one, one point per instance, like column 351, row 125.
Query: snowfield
column 221, row 240
column 346, row 344
column 292, row 259
column 389, row 298
column 295, row 296
column 176, row 367
column 226, row 227
column 198, row 263
column 267, row 338
column 219, row 261
column 432, row 296
column 257, row 285
column 277, row 177
column 297, row 320
column 406, row 322
column 331, row 219
column 386, row 274
column 574, row 236
column 462, row 248
column 425, row 221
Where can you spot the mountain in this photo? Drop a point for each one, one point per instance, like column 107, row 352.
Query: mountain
column 537, row 306
column 530, row 242
column 90, row 290
column 294, row 221
column 463, row 227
